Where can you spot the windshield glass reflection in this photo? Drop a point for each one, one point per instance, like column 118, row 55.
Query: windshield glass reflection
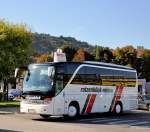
column 37, row 79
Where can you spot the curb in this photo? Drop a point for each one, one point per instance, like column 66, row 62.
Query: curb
column 6, row 112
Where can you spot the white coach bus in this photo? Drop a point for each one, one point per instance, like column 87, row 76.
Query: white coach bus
column 75, row 88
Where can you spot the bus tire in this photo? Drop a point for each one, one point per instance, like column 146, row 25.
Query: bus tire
column 148, row 107
column 73, row 110
column 45, row 116
column 118, row 108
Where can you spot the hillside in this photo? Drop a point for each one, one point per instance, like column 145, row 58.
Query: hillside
column 45, row 43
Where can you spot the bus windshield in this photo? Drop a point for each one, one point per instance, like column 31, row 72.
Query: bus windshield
column 38, row 81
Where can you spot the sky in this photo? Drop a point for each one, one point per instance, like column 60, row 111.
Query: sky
column 109, row 23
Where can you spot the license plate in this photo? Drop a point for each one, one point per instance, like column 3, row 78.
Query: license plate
column 31, row 110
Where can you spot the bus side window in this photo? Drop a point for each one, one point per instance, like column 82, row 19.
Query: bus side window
column 80, row 77
column 98, row 79
column 93, row 76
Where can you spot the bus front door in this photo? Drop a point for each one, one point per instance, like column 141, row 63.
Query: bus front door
column 59, row 96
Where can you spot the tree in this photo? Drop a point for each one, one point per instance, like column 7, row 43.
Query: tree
column 69, row 51
column 15, row 47
column 97, row 52
column 146, row 69
column 44, row 58
column 107, row 55
column 103, row 54
column 126, row 56
column 140, row 51
column 139, row 66
column 79, row 55
column 88, row 56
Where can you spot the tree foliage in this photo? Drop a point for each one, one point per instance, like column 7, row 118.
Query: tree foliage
column 126, row 56
column 97, row 53
column 44, row 58
column 15, row 47
column 146, row 64
column 79, row 55
column 103, row 54
column 69, row 51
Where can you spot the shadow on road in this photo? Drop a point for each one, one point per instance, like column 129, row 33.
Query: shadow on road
column 4, row 130
column 134, row 118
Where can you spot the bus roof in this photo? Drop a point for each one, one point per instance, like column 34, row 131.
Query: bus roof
column 94, row 63
column 109, row 65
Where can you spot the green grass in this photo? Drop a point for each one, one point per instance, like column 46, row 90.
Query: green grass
column 10, row 104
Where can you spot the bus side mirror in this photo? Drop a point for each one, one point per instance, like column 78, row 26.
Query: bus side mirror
column 16, row 72
column 20, row 72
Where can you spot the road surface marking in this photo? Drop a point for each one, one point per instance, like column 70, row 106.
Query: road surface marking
column 91, row 119
column 138, row 123
column 105, row 120
column 122, row 121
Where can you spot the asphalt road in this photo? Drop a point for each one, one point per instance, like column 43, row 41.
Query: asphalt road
column 129, row 122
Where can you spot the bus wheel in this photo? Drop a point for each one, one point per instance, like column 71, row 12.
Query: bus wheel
column 45, row 116
column 73, row 111
column 148, row 107
column 118, row 108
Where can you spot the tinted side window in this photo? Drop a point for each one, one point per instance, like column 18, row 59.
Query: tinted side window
column 66, row 71
column 79, row 77
column 88, row 76
column 106, row 77
column 130, row 75
column 92, row 75
column 124, row 78
column 130, row 78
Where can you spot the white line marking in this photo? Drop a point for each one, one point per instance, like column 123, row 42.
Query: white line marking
column 105, row 120
column 138, row 123
column 122, row 121
column 91, row 119
column 114, row 121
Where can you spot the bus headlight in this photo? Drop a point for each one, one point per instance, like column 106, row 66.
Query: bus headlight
column 47, row 100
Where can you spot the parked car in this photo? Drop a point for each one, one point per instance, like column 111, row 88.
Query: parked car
column 144, row 102
column 10, row 96
column 12, row 93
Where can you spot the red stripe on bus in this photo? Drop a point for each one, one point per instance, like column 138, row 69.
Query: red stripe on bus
column 118, row 94
column 90, row 104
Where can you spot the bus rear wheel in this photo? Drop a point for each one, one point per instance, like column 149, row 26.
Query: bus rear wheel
column 148, row 107
column 118, row 109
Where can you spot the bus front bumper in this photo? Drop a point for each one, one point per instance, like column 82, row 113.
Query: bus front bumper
column 46, row 109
